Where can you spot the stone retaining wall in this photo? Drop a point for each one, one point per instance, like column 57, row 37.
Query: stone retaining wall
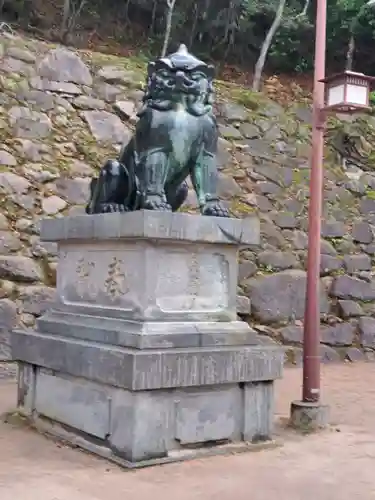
column 62, row 114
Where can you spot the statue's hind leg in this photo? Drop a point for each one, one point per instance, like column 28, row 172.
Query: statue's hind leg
column 110, row 190
column 176, row 196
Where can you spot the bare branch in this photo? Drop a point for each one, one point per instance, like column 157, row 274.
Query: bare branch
column 76, row 15
column 350, row 54
column 266, row 46
column 303, row 13
column 6, row 28
column 168, row 26
column 71, row 13
column 194, row 26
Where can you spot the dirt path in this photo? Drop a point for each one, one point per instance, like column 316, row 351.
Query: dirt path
column 337, row 464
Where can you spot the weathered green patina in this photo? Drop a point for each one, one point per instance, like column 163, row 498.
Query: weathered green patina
column 176, row 137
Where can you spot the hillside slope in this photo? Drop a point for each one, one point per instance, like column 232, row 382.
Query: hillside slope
column 62, row 114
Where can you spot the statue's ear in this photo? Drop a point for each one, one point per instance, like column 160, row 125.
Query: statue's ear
column 162, row 64
column 210, row 71
column 206, row 69
column 150, row 68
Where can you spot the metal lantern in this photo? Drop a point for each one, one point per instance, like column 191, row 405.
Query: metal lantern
column 347, row 92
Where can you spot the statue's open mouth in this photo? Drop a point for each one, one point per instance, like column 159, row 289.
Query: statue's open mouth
column 187, row 91
column 187, row 87
column 184, row 84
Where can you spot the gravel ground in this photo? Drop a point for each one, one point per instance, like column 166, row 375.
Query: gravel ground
column 337, row 463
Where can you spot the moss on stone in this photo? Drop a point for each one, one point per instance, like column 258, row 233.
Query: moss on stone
column 246, row 98
column 300, row 176
column 241, row 208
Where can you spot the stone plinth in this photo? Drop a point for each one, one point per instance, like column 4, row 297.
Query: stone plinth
column 142, row 357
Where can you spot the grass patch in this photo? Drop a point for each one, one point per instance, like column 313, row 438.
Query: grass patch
column 246, row 98
column 370, row 193
column 136, row 63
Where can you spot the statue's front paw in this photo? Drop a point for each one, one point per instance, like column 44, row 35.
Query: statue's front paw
column 215, row 209
column 107, row 208
column 157, row 204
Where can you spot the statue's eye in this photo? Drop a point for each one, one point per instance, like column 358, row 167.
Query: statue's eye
column 164, row 74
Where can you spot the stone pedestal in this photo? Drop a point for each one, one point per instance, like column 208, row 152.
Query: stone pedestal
column 142, row 357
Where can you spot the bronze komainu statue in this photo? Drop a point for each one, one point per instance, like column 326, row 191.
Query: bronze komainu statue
column 176, row 136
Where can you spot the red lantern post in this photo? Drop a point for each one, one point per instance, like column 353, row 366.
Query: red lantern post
column 309, row 412
column 347, row 92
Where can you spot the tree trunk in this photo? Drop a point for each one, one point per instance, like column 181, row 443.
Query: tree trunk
column 153, row 19
column 168, row 26
column 351, row 45
column 204, row 11
column 194, row 26
column 65, row 17
column 350, row 54
column 75, row 15
column 71, row 13
column 2, row 3
column 266, row 46
column 126, row 12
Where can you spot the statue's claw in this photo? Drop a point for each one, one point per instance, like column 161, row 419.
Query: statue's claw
column 157, row 203
column 215, row 209
column 113, row 207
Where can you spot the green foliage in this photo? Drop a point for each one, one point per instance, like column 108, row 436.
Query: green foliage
column 291, row 50
column 233, row 31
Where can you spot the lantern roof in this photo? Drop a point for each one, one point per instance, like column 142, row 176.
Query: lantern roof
column 345, row 74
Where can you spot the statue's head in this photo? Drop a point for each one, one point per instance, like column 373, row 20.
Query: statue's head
column 180, row 79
